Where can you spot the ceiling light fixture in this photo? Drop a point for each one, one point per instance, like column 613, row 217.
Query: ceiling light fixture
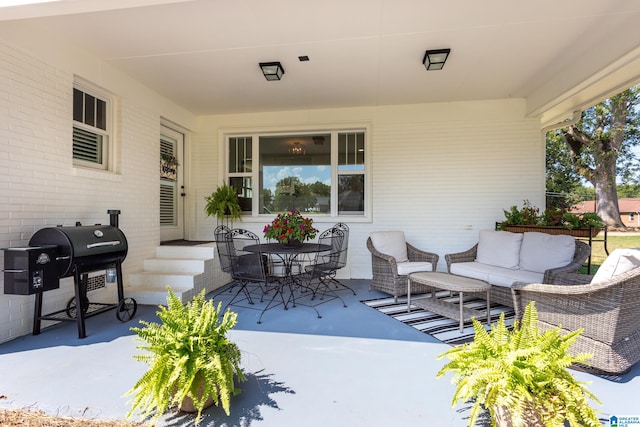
column 272, row 70
column 297, row 150
column 435, row 59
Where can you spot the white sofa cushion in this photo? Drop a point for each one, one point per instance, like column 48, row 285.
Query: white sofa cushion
column 473, row 269
column 497, row 276
column 390, row 243
column 499, row 248
column 405, row 268
column 618, row 262
column 540, row 252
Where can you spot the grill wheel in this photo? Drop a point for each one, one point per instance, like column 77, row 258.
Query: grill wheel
column 126, row 309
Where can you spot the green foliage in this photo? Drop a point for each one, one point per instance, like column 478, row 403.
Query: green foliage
column 293, row 194
column 188, row 355
column 529, row 215
column 629, row 191
column 563, row 183
column 223, row 202
column 598, row 149
column 552, row 216
column 520, row 370
column 169, row 160
column 585, row 220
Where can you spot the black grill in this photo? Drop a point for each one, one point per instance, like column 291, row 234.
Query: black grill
column 69, row 251
column 84, row 248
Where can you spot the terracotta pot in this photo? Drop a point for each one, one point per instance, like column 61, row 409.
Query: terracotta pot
column 187, row 404
column 531, row 417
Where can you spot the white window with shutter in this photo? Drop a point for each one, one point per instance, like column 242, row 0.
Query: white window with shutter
column 91, row 126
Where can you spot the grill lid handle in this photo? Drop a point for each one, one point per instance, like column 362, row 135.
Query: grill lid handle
column 98, row 245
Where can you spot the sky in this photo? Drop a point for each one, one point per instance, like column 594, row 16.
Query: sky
column 306, row 174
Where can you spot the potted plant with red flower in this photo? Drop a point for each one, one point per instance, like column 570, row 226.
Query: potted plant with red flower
column 290, row 228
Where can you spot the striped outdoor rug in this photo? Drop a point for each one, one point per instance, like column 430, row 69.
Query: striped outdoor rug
column 447, row 330
column 442, row 328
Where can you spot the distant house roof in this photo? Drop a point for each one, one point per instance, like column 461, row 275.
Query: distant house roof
column 625, row 205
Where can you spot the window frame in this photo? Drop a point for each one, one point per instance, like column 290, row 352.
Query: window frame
column 255, row 134
column 107, row 158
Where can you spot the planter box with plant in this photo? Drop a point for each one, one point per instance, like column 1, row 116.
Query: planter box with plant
column 191, row 362
column 551, row 221
column 520, row 375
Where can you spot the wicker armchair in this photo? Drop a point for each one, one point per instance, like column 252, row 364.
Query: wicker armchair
column 607, row 311
column 502, row 295
column 385, row 270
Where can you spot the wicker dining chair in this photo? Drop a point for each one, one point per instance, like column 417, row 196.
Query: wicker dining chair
column 606, row 310
column 389, row 274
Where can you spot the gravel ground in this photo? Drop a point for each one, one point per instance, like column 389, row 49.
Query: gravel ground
column 32, row 418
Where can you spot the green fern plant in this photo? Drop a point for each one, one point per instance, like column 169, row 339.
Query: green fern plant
column 520, row 374
column 223, row 202
column 188, row 355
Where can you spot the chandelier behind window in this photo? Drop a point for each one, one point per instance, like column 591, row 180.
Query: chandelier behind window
column 297, row 149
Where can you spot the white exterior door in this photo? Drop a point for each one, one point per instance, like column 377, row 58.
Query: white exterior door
column 171, row 185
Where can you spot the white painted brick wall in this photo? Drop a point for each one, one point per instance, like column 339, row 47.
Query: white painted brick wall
column 40, row 187
column 434, row 169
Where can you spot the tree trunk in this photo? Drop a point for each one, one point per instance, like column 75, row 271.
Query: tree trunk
column 595, row 155
column 607, row 202
column 606, row 155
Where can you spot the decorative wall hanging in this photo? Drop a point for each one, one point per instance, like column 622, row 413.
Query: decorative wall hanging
column 168, row 167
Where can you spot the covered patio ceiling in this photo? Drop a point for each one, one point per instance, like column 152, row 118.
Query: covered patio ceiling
column 203, row 54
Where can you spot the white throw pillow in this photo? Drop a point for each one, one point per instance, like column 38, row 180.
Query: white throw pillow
column 391, row 243
column 499, row 248
column 541, row 251
column 618, row 262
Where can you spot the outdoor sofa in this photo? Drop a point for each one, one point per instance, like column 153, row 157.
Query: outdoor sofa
column 502, row 258
column 604, row 306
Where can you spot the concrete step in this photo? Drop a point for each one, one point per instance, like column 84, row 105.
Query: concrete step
column 150, row 295
column 186, row 269
column 186, row 252
column 162, row 279
column 168, row 265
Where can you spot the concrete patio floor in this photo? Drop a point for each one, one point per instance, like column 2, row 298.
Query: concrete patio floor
column 354, row 366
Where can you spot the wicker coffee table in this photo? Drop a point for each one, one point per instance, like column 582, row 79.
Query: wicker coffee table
column 453, row 283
